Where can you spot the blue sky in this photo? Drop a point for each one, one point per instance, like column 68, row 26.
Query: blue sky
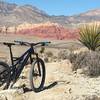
column 61, row 7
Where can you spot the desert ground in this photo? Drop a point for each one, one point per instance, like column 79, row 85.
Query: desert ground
column 61, row 82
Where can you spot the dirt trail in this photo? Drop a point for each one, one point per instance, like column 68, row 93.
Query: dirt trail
column 55, row 85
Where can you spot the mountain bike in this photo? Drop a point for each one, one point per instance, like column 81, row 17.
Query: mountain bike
column 9, row 74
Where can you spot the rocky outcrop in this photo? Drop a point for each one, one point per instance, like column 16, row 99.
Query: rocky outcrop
column 49, row 30
column 42, row 30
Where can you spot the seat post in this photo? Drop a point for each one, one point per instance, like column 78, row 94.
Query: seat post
column 11, row 55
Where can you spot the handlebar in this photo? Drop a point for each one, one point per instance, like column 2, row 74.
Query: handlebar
column 32, row 44
column 25, row 43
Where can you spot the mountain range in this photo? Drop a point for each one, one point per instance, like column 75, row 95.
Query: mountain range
column 13, row 14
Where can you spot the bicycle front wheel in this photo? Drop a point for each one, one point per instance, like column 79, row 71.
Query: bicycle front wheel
column 37, row 75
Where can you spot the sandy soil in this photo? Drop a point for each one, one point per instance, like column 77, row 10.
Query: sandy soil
column 61, row 84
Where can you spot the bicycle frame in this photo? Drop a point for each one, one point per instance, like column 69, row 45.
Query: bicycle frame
column 14, row 70
column 19, row 64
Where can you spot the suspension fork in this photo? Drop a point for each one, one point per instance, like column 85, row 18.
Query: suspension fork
column 38, row 65
column 37, row 59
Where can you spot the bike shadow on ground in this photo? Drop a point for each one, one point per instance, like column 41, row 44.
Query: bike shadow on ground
column 50, row 86
column 45, row 87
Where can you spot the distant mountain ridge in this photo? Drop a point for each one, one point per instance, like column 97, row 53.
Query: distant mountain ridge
column 13, row 14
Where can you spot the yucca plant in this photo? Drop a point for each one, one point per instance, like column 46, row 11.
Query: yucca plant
column 90, row 36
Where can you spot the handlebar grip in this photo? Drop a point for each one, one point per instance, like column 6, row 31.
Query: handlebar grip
column 45, row 43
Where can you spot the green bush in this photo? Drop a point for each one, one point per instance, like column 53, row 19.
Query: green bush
column 90, row 36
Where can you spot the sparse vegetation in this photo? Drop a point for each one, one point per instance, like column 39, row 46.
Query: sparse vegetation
column 90, row 36
column 64, row 54
column 42, row 50
column 88, row 61
column 49, row 54
column 46, row 59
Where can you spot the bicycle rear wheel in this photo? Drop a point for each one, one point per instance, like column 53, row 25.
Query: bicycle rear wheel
column 4, row 75
column 37, row 75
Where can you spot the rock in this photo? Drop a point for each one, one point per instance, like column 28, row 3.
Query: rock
column 3, row 97
column 10, row 94
column 92, row 97
column 80, row 71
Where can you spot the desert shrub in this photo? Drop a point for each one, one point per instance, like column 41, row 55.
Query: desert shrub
column 90, row 36
column 88, row 61
column 64, row 54
column 54, row 58
column 49, row 54
column 46, row 59
column 42, row 50
column 77, row 60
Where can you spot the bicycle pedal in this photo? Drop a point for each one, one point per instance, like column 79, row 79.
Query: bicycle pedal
column 23, row 85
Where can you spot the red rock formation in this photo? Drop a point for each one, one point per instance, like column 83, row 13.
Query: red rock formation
column 53, row 31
